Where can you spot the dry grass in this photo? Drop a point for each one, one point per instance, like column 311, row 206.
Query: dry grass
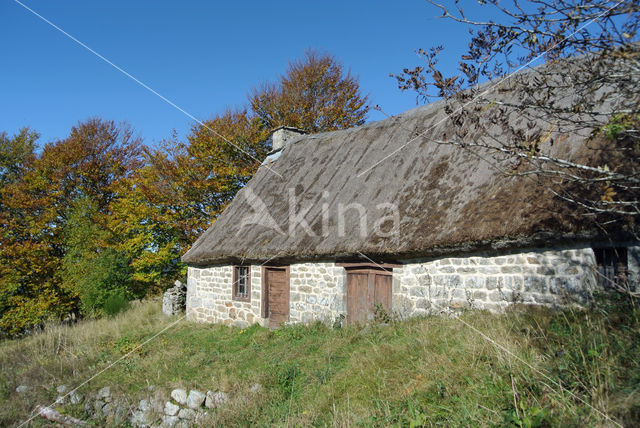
column 432, row 371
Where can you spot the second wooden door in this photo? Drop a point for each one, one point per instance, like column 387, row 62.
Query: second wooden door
column 365, row 289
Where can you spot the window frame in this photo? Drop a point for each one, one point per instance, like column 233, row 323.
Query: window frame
column 234, row 285
column 612, row 264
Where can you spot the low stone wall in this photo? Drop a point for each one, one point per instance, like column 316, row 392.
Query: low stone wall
column 545, row 277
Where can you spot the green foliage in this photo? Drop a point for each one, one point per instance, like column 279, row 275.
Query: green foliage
column 619, row 124
column 58, row 254
column 115, row 303
column 93, row 272
column 380, row 314
column 16, row 153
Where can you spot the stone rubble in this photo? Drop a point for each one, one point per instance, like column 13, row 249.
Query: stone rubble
column 171, row 409
column 180, row 396
column 180, row 410
column 195, row 399
column 174, row 299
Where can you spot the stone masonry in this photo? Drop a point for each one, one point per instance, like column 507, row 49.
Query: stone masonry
column 551, row 277
column 209, row 296
column 317, row 292
column 544, row 277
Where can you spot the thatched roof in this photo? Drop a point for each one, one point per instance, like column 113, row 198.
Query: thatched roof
column 448, row 198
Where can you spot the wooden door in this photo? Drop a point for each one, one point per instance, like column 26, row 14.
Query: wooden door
column 366, row 288
column 276, row 295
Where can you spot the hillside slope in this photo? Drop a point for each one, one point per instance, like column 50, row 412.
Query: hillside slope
column 432, row 371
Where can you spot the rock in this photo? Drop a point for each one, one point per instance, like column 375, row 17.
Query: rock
column 171, row 409
column 22, row 388
column 61, row 400
column 174, row 299
column 180, row 396
column 140, row 418
column 61, row 389
column 104, row 394
column 169, row 421
column 200, row 415
column 144, row 405
column 144, row 415
column 75, row 398
column 189, row 414
column 116, row 413
column 195, row 399
column 98, row 405
column 108, row 409
column 216, row 399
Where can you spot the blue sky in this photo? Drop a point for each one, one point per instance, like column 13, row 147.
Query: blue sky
column 203, row 56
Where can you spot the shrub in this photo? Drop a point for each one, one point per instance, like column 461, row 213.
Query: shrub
column 115, row 303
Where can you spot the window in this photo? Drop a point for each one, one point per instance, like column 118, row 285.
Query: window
column 242, row 283
column 612, row 266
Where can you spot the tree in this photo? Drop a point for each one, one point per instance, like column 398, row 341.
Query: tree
column 588, row 86
column 92, row 269
column 315, row 94
column 16, row 154
column 40, row 210
column 182, row 189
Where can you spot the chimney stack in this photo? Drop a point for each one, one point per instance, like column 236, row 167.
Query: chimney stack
column 283, row 134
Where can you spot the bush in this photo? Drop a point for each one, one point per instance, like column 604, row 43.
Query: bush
column 107, row 276
column 115, row 303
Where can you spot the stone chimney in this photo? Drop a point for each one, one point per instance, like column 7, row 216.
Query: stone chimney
column 283, row 134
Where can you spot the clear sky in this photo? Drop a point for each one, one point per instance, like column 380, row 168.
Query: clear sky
column 201, row 55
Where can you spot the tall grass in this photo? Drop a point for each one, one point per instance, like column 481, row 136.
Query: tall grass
column 430, row 371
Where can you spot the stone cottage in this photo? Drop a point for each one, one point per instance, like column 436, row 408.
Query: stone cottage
column 388, row 216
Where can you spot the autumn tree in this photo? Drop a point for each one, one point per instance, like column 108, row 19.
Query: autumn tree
column 182, row 189
column 314, row 94
column 588, row 86
column 41, row 209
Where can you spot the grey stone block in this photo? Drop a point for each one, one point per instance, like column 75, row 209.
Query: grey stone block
column 458, row 294
column 474, row 282
column 196, row 398
column 171, row 409
column 418, row 291
column 533, row 283
column 494, row 282
column 180, row 396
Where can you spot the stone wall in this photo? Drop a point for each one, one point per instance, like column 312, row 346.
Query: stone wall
column 421, row 286
column 545, row 277
column 210, row 299
column 318, row 292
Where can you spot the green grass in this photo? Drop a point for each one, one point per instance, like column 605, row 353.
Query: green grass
column 433, row 371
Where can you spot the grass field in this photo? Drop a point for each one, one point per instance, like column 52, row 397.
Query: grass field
column 535, row 367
